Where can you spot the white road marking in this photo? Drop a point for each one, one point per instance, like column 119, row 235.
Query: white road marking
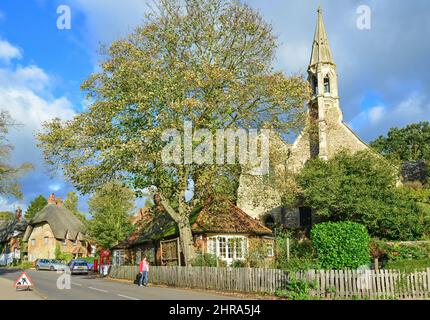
column 127, row 297
column 77, row 284
column 92, row 288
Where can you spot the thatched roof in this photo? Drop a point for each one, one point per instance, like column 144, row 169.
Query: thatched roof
column 13, row 228
column 61, row 220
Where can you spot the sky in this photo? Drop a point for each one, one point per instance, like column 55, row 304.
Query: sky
column 384, row 77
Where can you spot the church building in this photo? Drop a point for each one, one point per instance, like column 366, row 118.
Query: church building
column 324, row 135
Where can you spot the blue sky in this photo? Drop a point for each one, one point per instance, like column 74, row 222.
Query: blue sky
column 384, row 77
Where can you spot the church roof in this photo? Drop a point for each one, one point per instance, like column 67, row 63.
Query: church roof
column 321, row 52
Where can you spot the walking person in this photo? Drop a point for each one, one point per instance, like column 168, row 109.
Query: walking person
column 143, row 269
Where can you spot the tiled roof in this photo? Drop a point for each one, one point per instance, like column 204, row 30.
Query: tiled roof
column 215, row 217
column 225, row 217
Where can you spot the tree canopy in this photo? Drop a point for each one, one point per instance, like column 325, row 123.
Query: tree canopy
column 110, row 208
column 362, row 188
column 9, row 175
column 6, row 216
column 406, row 144
column 208, row 62
column 35, row 206
column 71, row 203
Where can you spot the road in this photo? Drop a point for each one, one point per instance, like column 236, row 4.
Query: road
column 92, row 287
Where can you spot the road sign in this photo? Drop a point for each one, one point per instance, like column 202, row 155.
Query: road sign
column 23, row 282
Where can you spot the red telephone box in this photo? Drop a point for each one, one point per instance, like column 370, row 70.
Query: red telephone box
column 105, row 257
column 96, row 265
column 104, row 261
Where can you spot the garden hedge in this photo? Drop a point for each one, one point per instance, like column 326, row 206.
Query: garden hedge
column 341, row 244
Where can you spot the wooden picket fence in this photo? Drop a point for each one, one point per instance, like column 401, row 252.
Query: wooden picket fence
column 330, row 284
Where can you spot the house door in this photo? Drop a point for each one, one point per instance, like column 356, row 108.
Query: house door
column 305, row 217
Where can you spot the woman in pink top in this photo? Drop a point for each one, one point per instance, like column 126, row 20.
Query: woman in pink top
column 143, row 269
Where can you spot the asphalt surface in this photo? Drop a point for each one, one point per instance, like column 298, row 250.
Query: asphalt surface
column 92, row 287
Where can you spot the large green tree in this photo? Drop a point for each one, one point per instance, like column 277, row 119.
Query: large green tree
column 9, row 175
column 406, row 144
column 204, row 61
column 5, row 216
column 110, row 208
column 35, row 206
column 71, row 203
column 362, row 188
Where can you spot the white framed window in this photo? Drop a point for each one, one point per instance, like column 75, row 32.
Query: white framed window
column 228, row 248
column 75, row 242
column 33, row 242
column 63, row 242
column 270, row 249
column 46, row 240
column 118, row 257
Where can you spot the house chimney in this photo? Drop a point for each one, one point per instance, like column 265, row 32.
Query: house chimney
column 51, row 199
column 18, row 214
column 59, row 201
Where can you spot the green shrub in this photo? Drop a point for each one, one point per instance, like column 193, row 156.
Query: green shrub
column 341, row 244
column 204, row 260
column 398, row 251
column 257, row 256
column 408, row 265
column 297, row 289
column 26, row 265
column 301, row 264
column 239, row 264
column 362, row 188
column 302, row 253
column 62, row 256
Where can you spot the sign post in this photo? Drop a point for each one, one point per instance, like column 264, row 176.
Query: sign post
column 23, row 282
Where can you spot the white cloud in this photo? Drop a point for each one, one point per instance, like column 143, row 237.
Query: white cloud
column 123, row 16
column 376, row 114
column 25, row 92
column 9, row 52
column 294, row 57
column 11, row 206
column 379, row 119
column 55, row 187
column 29, row 77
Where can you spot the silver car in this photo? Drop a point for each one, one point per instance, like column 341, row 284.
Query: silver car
column 78, row 267
column 50, row 264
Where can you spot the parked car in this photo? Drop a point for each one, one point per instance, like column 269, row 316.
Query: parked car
column 50, row 264
column 78, row 267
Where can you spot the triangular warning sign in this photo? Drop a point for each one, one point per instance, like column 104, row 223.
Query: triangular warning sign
column 23, row 281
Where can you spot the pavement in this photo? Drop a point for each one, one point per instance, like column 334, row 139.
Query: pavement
column 91, row 287
column 8, row 292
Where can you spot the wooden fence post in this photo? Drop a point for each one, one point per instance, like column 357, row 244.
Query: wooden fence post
column 288, row 249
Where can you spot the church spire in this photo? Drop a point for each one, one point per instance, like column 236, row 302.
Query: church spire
column 321, row 52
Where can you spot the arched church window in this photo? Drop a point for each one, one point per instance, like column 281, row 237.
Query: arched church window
column 315, row 84
column 326, row 84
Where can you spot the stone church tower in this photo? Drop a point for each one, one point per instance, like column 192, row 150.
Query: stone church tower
column 324, row 135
